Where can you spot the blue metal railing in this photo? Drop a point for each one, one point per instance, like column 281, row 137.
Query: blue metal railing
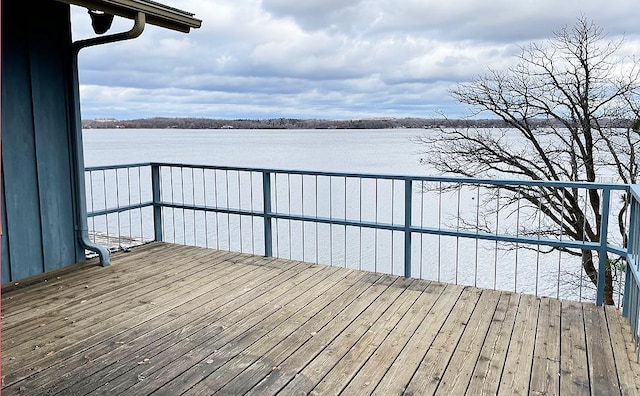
column 631, row 302
column 168, row 197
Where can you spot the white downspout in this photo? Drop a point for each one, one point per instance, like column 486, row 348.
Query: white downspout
column 82, row 228
column 136, row 30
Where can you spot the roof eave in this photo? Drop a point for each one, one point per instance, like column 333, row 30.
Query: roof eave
column 155, row 13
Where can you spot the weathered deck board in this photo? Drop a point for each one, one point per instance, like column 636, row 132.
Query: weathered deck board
column 129, row 312
column 623, row 350
column 404, row 366
column 485, row 378
column 180, row 320
column 463, row 361
column 573, row 351
column 545, row 372
column 602, row 366
column 519, row 359
column 377, row 365
column 159, row 333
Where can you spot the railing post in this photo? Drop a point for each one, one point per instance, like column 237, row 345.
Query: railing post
column 628, row 277
column 266, row 205
column 408, row 192
column 157, row 202
column 602, row 249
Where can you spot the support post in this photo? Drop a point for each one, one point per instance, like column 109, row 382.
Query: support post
column 266, row 205
column 408, row 192
column 602, row 249
column 629, row 277
column 157, row 203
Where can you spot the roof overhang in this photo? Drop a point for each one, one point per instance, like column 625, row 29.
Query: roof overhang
column 155, row 13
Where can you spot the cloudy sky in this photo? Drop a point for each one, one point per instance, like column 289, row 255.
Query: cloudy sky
column 334, row 59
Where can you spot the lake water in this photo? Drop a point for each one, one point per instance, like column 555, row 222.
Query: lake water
column 372, row 151
column 358, row 151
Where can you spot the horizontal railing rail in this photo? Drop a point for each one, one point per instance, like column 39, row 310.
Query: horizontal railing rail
column 112, row 192
column 195, row 204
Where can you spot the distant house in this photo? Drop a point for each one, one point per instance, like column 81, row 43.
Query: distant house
column 44, row 223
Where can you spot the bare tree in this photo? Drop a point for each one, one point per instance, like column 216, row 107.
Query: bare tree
column 571, row 103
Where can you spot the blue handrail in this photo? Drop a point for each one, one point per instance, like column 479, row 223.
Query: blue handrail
column 405, row 226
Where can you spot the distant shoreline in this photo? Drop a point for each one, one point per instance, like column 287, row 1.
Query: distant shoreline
column 293, row 123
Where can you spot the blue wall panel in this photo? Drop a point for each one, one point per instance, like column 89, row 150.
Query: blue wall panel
column 49, row 59
column 18, row 148
column 6, row 270
column 38, row 195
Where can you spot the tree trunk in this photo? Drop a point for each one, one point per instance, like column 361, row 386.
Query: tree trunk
column 592, row 272
column 608, row 286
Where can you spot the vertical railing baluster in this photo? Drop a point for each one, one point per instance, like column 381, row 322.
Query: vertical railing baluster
column 408, row 192
column 266, row 213
column 157, row 202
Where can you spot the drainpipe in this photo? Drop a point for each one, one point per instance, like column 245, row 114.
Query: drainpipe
column 136, row 30
column 82, row 228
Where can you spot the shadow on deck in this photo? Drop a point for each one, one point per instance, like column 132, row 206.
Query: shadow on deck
column 176, row 319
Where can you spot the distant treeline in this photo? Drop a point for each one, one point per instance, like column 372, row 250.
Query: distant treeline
column 293, row 123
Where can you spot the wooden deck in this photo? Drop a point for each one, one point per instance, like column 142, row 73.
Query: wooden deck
column 173, row 319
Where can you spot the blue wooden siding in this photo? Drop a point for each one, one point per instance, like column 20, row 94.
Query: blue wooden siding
column 38, row 197
column 6, row 270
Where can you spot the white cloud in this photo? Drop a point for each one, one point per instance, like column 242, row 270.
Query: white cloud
column 321, row 58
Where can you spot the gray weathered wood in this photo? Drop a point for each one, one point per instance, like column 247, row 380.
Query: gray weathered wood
column 574, row 379
column 377, row 365
column 602, row 366
column 407, row 362
column 204, row 321
column 545, row 373
column 485, row 378
column 457, row 375
column 517, row 367
column 624, row 352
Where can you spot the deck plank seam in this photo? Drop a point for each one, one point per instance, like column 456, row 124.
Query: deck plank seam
column 409, row 337
column 300, row 369
column 586, row 351
column 484, row 338
column 430, row 344
column 615, row 363
column 210, row 325
column 246, row 331
column 352, row 288
column 115, row 335
column 406, row 313
column 535, row 343
column 364, row 334
column 330, row 273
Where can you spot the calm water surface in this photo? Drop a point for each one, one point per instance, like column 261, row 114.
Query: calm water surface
column 374, row 151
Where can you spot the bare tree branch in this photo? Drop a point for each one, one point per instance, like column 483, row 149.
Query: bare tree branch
column 576, row 80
